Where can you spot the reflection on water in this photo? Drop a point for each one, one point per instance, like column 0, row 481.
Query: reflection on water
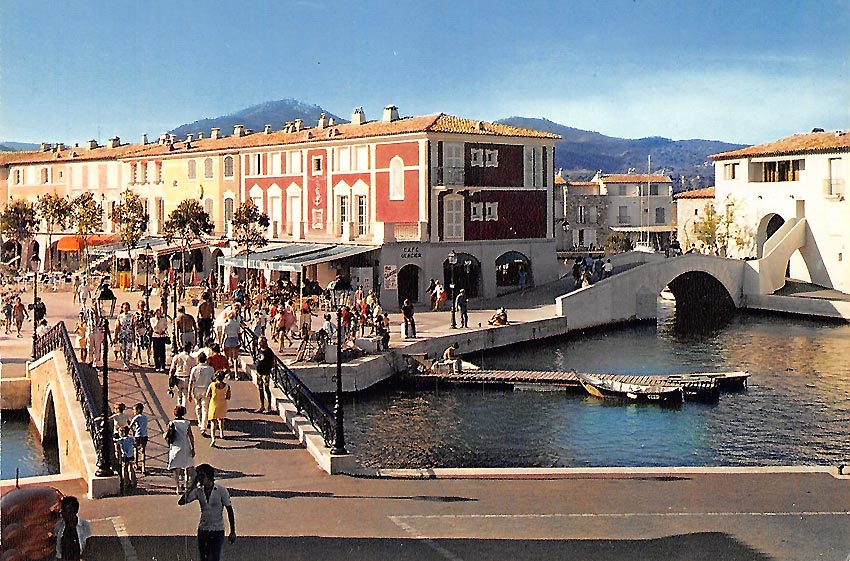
column 793, row 412
column 20, row 447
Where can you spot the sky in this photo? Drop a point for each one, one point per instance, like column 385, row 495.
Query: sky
column 747, row 71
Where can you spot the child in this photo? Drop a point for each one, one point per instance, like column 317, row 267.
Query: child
column 126, row 444
column 139, row 424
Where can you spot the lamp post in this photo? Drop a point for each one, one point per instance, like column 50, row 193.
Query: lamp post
column 104, row 461
column 339, row 434
column 174, row 350
column 452, row 263
column 147, row 272
column 36, row 261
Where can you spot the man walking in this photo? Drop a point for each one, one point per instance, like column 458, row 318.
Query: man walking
column 265, row 365
column 71, row 531
column 409, row 322
column 186, row 327
column 200, row 378
column 462, row 306
column 181, row 367
column 206, row 318
column 213, row 499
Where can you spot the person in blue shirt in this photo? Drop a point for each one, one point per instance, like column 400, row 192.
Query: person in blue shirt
column 127, row 447
column 139, row 424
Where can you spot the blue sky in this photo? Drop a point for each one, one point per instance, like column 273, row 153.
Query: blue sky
column 745, row 71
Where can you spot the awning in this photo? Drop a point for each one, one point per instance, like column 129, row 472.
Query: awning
column 293, row 257
column 661, row 228
column 76, row 243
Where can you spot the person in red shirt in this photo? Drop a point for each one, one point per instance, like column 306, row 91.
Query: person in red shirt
column 217, row 360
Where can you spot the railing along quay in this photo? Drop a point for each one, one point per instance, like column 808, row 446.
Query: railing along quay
column 56, row 337
column 297, row 391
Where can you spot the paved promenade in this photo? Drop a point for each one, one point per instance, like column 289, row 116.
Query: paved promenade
column 287, row 508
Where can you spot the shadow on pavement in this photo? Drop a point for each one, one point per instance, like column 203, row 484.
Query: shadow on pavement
column 324, row 495
column 689, row 547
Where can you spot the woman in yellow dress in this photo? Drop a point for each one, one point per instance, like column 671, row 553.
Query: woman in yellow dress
column 217, row 395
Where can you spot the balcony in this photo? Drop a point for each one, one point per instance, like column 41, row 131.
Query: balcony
column 447, row 175
column 834, row 189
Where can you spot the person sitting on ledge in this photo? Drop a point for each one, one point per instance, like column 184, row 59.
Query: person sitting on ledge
column 451, row 359
column 499, row 318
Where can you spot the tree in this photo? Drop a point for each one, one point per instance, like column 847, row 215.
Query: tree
column 706, row 231
column 186, row 223
column 130, row 218
column 18, row 222
column 619, row 242
column 249, row 225
column 86, row 219
column 55, row 211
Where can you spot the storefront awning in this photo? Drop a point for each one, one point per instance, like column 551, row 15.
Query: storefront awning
column 76, row 243
column 293, row 257
column 654, row 228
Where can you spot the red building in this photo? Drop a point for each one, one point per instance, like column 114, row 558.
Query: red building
column 393, row 197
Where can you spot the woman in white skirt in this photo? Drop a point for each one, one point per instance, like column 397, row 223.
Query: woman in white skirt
column 181, row 450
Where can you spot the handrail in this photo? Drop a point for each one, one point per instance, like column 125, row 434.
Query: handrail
column 297, row 391
column 56, row 337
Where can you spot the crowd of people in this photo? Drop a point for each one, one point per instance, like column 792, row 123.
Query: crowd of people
column 587, row 270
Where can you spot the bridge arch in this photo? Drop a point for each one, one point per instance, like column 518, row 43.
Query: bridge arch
column 48, row 428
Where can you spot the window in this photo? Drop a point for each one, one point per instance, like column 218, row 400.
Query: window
column 730, row 171
column 476, row 157
column 160, row 215
column 696, row 212
column 623, row 215
column 45, row 175
column 17, row 177
column 158, row 172
column 581, row 214
column 208, row 168
column 134, row 173
column 453, row 164
column 190, row 169
column 318, row 219
column 491, row 158
column 362, row 217
column 316, row 163
column 491, row 211
column 476, row 212
column 343, row 209
column 258, row 164
column 453, row 217
column 653, row 189
column 659, row 215
column 397, row 179
column 228, row 210
column 361, row 158
column 591, row 214
column 783, row 170
column 143, row 172
column 228, row 166
column 293, row 165
column 343, row 159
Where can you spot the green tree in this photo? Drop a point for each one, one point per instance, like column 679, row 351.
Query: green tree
column 619, row 242
column 131, row 220
column 249, row 227
column 56, row 212
column 86, row 219
column 709, row 229
column 187, row 223
column 18, row 222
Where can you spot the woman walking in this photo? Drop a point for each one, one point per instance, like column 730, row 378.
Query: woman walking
column 231, row 342
column 217, row 395
column 81, row 331
column 126, row 333
column 143, row 332
column 181, row 449
column 18, row 313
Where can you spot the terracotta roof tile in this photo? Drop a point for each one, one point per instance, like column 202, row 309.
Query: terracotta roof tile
column 814, row 142
column 634, row 178
column 706, row 193
column 582, row 184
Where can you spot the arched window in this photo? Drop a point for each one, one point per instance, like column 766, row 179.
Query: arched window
column 228, row 166
column 397, row 179
column 228, row 210
column 208, row 168
column 190, row 169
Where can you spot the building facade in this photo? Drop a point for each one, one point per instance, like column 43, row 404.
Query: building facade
column 689, row 211
column 804, row 176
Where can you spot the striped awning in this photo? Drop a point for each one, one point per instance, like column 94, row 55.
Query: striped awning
column 294, row 257
column 77, row 244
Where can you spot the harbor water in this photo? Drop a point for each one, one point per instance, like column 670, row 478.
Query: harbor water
column 21, row 449
column 794, row 412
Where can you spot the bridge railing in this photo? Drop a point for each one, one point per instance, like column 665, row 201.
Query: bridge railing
column 306, row 402
column 57, row 337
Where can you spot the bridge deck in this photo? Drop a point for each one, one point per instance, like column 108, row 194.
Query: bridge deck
column 726, row 380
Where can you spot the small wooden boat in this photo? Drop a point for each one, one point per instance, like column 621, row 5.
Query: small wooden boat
column 659, row 394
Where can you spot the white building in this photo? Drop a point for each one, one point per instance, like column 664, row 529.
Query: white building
column 800, row 177
column 689, row 212
column 640, row 205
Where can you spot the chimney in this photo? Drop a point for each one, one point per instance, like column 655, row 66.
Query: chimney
column 60, row 146
column 390, row 114
column 163, row 138
column 144, row 139
column 323, row 121
column 188, row 144
column 298, row 124
column 45, row 147
column 267, row 129
column 331, row 122
column 91, row 144
column 172, row 138
column 189, row 138
column 287, row 127
column 238, row 130
column 358, row 117
column 201, row 135
column 479, row 125
column 215, row 133
column 114, row 142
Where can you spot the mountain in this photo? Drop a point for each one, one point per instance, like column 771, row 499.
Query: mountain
column 580, row 154
column 9, row 146
column 274, row 113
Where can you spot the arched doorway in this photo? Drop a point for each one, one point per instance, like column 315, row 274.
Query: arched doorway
column 769, row 225
column 513, row 270
column 408, row 284
column 466, row 274
column 35, row 248
column 219, row 269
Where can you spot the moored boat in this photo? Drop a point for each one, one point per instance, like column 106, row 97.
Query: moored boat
column 659, row 394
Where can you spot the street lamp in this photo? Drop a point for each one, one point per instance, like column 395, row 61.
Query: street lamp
column 36, row 261
column 452, row 263
column 339, row 434
column 106, row 295
column 104, row 461
column 147, row 272
column 175, row 260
